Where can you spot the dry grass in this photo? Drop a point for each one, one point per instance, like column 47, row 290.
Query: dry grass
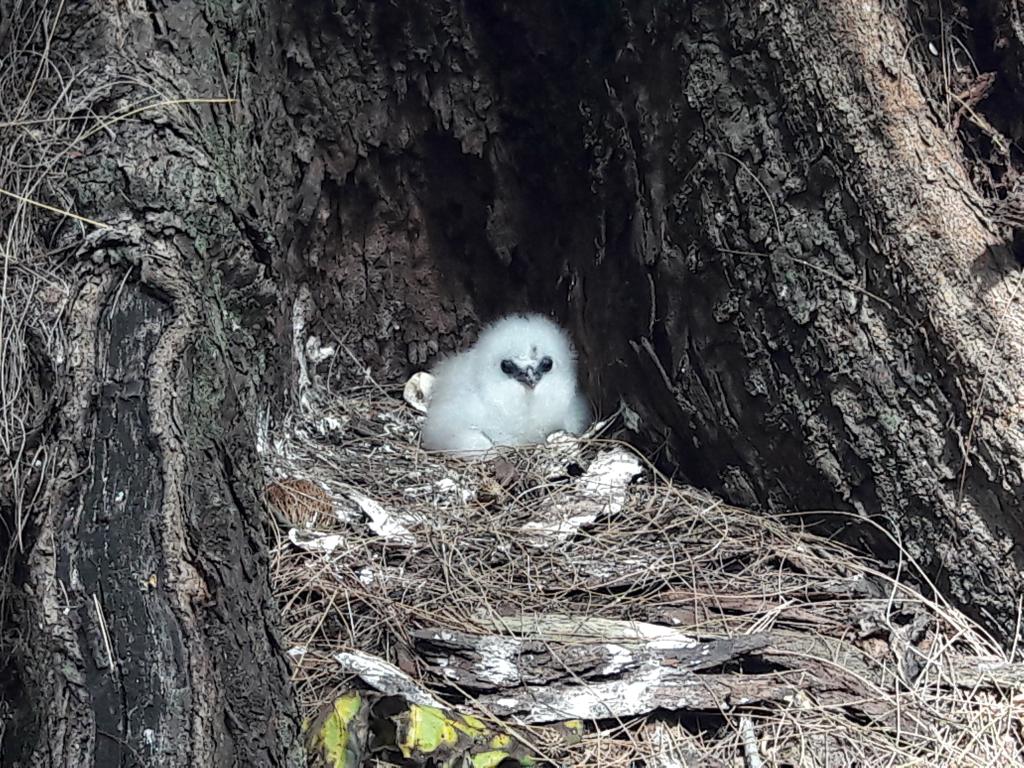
column 36, row 141
column 672, row 555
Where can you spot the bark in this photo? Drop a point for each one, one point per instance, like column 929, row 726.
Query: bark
column 764, row 235
column 146, row 619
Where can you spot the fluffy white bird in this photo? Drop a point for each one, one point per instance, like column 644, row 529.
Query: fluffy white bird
column 515, row 386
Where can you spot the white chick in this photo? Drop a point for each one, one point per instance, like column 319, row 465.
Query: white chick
column 515, row 386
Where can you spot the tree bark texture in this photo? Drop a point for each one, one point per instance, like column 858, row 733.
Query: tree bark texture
column 147, row 627
column 759, row 226
column 761, row 230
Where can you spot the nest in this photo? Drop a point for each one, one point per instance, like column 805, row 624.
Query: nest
column 572, row 580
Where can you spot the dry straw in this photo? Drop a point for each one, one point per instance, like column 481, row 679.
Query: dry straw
column 876, row 674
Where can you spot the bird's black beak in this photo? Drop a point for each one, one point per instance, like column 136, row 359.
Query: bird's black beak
column 528, row 377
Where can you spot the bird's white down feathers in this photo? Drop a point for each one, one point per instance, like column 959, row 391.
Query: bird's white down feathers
column 515, row 386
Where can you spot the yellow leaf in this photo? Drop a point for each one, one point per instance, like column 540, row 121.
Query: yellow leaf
column 334, row 733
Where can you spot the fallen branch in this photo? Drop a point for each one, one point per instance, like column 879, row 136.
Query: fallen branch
column 487, row 662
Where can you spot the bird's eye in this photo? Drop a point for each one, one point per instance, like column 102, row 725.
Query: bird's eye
column 545, row 364
column 508, row 367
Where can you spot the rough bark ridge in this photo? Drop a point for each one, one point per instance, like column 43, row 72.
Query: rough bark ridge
column 762, row 235
column 149, row 629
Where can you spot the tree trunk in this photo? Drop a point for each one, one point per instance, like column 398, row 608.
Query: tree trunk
column 760, row 220
column 147, row 627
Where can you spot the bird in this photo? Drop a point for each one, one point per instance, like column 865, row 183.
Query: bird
column 515, row 386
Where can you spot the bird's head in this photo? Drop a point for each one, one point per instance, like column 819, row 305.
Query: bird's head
column 528, row 370
column 525, row 351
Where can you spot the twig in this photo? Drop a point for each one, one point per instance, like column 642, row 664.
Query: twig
column 750, row 749
column 103, row 630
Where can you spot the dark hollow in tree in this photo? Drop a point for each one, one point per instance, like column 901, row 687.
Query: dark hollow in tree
column 780, row 232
